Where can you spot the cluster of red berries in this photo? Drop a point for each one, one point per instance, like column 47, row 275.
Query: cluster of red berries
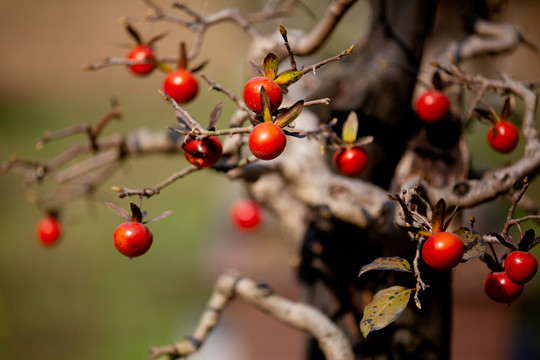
column 433, row 106
column 179, row 84
column 507, row 285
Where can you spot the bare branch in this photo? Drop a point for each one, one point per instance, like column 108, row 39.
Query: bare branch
column 332, row 341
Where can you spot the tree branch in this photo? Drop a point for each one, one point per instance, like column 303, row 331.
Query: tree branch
column 331, row 339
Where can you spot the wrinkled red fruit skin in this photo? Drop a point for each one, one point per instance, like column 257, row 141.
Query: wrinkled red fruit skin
column 202, row 153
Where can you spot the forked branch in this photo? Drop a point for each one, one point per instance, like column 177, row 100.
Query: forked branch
column 300, row 316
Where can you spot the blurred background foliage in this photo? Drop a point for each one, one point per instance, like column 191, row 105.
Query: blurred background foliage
column 82, row 299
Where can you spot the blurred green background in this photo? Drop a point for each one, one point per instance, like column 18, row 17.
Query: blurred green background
column 82, row 299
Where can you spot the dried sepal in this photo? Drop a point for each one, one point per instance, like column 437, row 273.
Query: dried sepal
column 507, row 108
column 527, row 241
column 134, row 34
column 156, row 38
column 271, row 66
column 436, row 80
column 438, row 216
column 182, row 60
column 215, row 115
column 286, row 117
column 487, row 115
column 503, row 241
column 160, row 217
column 265, row 105
column 119, row 211
column 136, row 213
column 199, row 67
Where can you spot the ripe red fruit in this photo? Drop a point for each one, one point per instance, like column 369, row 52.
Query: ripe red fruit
column 267, row 141
column 252, row 93
column 443, row 250
column 48, row 230
column 520, row 266
column 181, row 85
column 432, row 106
column 351, row 161
column 202, row 153
column 245, row 214
column 503, row 136
column 140, row 53
column 132, row 238
column 499, row 288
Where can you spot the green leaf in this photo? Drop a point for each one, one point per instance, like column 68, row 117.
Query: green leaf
column 290, row 114
column 475, row 246
column 289, row 77
column 271, row 65
column 387, row 263
column 385, row 307
column 350, row 128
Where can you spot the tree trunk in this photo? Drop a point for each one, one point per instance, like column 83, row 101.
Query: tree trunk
column 377, row 82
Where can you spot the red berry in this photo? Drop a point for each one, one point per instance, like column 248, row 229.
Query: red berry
column 140, row 53
column 443, row 250
column 351, row 161
column 503, row 136
column 267, row 141
column 132, row 239
column 48, row 230
column 245, row 214
column 252, row 93
column 499, row 288
column 432, row 106
column 520, row 266
column 181, row 85
column 202, row 153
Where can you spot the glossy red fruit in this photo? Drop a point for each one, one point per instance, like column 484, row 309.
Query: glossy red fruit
column 49, row 230
column 252, row 93
column 432, row 106
column 202, row 153
column 351, row 161
column 499, row 288
column 443, row 250
column 520, row 266
column 267, row 141
column 132, row 239
column 245, row 214
column 140, row 53
column 503, row 136
column 181, row 85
